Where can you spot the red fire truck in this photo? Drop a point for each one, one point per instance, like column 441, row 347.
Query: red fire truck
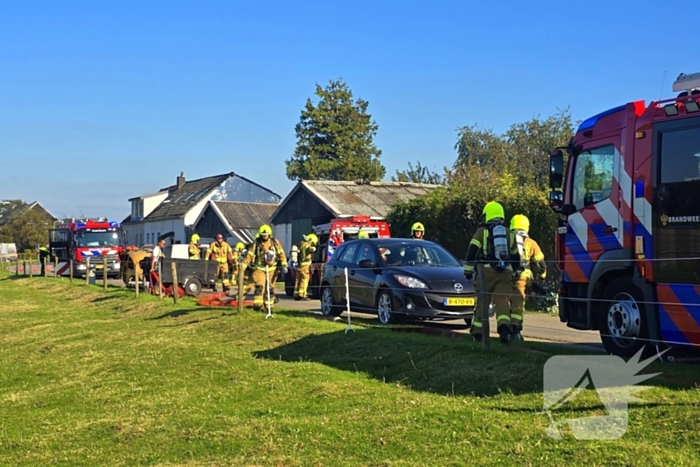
column 83, row 240
column 628, row 240
column 331, row 236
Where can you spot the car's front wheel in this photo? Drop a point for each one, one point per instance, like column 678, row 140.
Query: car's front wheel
column 385, row 308
column 329, row 307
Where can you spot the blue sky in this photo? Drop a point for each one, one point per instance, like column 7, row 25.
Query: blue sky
column 100, row 103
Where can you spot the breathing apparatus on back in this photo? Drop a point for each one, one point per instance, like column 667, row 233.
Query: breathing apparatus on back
column 494, row 218
column 520, row 225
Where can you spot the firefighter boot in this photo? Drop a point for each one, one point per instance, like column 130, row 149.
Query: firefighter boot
column 504, row 333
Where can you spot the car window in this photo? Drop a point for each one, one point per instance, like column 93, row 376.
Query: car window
column 413, row 254
column 348, row 254
column 366, row 252
column 337, row 254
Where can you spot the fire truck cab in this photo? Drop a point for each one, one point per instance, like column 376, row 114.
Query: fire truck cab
column 83, row 240
column 330, row 237
column 628, row 238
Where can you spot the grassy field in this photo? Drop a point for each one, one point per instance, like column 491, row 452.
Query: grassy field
column 88, row 378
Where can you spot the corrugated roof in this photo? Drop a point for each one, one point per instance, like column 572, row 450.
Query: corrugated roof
column 369, row 199
column 245, row 215
column 180, row 201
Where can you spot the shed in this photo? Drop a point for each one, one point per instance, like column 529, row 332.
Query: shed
column 238, row 222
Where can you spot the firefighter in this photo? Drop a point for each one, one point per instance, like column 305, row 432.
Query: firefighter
column 417, row 231
column 44, row 257
column 236, row 258
column 221, row 252
column 306, row 255
column 362, row 235
column 193, row 249
column 495, row 246
column 533, row 261
column 266, row 251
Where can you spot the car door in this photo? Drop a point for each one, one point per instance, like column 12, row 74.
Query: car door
column 346, row 259
column 362, row 280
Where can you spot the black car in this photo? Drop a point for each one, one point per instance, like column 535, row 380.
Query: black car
column 397, row 277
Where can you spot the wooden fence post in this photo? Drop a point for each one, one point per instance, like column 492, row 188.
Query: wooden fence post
column 483, row 309
column 55, row 268
column 241, row 285
column 104, row 273
column 173, row 270
column 87, row 271
column 45, row 263
column 137, row 270
column 31, row 268
column 70, row 265
column 160, row 278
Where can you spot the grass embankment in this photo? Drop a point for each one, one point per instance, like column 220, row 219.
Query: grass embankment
column 89, row 378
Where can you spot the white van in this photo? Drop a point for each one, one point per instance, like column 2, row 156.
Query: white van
column 8, row 252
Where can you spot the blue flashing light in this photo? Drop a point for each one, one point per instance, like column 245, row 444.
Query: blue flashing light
column 80, row 225
column 114, row 224
column 639, row 189
column 591, row 122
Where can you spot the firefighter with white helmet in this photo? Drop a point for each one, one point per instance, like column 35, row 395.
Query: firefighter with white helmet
column 265, row 254
column 194, row 250
column 306, row 255
column 495, row 246
column 418, row 231
column 533, row 260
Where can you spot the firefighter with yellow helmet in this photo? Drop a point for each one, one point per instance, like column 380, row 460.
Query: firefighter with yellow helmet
column 235, row 259
column 306, row 255
column 418, row 231
column 495, row 246
column 363, row 235
column 193, row 249
column 533, row 261
column 221, row 252
column 265, row 252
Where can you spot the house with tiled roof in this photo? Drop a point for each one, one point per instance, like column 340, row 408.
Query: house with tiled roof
column 174, row 210
column 316, row 202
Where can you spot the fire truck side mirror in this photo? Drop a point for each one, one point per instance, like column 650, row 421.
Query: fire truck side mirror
column 556, row 169
column 556, row 200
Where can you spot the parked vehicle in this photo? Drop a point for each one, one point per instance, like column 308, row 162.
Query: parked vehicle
column 330, row 237
column 628, row 239
column 396, row 278
column 93, row 239
column 8, row 252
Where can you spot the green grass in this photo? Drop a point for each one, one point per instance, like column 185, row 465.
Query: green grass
column 88, row 378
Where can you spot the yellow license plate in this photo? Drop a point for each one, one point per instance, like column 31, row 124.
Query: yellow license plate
column 99, row 266
column 467, row 301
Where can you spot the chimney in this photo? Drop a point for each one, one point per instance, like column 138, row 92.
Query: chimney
column 181, row 180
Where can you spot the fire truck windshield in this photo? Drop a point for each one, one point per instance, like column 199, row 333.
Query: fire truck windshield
column 96, row 239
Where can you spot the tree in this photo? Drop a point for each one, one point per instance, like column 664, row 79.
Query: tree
column 27, row 230
column 335, row 138
column 418, row 174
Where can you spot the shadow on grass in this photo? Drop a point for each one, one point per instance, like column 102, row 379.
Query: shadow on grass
column 406, row 356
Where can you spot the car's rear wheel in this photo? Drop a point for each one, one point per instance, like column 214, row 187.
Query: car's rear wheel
column 385, row 308
column 329, row 307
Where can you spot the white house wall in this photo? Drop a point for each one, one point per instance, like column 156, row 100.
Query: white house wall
column 153, row 201
column 155, row 228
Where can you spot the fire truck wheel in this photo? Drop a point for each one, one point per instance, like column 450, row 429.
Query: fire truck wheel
column 623, row 327
column 193, row 286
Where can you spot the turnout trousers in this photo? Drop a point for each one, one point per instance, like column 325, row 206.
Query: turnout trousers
column 302, row 281
column 499, row 289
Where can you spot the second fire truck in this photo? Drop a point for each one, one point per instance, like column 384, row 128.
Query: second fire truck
column 628, row 240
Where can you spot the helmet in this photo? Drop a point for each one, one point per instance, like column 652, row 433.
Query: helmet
column 312, row 238
column 520, row 222
column 493, row 210
column 363, row 234
column 417, row 226
column 195, row 238
column 240, row 246
column 265, row 230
